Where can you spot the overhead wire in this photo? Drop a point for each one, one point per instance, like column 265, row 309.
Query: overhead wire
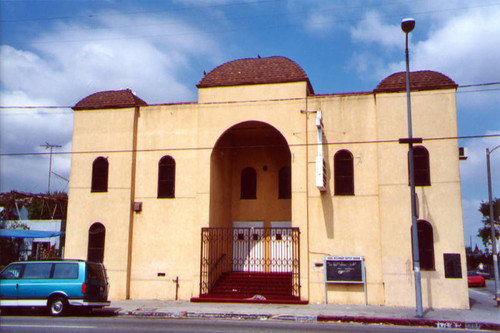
column 225, row 29
column 293, row 145
column 234, row 4
column 48, row 107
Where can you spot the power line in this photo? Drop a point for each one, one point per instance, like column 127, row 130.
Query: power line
column 339, row 143
column 185, row 8
column 252, row 101
column 385, row 4
column 479, row 85
column 238, row 19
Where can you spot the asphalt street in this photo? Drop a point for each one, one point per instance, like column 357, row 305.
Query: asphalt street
column 20, row 324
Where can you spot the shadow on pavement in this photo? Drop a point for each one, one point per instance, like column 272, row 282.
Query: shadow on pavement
column 42, row 312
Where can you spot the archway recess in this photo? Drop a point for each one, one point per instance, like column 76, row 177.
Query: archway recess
column 258, row 146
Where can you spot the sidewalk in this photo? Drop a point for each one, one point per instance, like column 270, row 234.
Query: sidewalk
column 483, row 313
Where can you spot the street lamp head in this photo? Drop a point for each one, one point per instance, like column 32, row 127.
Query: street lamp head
column 407, row 25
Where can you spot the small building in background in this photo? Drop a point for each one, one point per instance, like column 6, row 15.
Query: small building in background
column 32, row 226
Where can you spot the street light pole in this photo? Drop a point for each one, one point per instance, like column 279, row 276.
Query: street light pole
column 492, row 225
column 407, row 25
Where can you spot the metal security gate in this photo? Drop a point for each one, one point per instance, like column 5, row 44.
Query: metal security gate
column 252, row 250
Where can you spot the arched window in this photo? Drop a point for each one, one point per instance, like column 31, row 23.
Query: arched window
column 425, row 245
column 421, row 166
column 100, row 175
column 343, row 167
column 166, row 177
column 249, row 183
column 285, row 183
column 97, row 235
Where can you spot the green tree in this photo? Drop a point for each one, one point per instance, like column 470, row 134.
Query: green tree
column 485, row 231
column 48, row 207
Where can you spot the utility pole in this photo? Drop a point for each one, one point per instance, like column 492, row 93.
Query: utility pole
column 49, row 146
column 492, row 228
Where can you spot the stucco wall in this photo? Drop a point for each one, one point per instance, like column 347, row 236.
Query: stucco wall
column 102, row 133
column 374, row 223
column 433, row 116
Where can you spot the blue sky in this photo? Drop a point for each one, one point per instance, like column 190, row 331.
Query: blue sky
column 56, row 52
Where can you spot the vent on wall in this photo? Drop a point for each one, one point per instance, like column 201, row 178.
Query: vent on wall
column 137, row 207
column 321, row 173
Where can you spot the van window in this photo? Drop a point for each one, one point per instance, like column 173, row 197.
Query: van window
column 12, row 272
column 94, row 272
column 37, row 271
column 65, row 271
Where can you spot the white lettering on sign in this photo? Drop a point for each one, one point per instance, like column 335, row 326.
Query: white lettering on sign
column 448, row 325
column 344, row 258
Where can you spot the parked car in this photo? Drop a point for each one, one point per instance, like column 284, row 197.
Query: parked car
column 475, row 280
column 57, row 285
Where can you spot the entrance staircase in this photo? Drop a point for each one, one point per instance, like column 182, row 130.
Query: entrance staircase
column 252, row 287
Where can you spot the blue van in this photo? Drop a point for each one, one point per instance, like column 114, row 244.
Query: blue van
column 55, row 284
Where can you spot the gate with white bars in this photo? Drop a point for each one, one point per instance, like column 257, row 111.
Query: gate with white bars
column 254, row 249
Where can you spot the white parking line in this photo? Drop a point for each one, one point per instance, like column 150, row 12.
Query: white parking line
column 483, row 291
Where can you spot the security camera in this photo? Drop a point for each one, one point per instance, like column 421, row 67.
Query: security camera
column 407, row 25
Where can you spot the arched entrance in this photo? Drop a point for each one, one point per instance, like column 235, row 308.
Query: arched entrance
column 245, row 176
column 250, row 247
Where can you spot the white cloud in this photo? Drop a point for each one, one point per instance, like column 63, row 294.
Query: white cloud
column 466, row 47
column 23, row 131
column 70, row 61
column 371, row 29
column 474, row 168
column 73, row 60
column 319, row 22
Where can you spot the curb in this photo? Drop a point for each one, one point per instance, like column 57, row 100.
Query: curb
column 320, row 318
column 194, row 315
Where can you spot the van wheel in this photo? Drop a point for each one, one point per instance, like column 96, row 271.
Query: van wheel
column 58, row 306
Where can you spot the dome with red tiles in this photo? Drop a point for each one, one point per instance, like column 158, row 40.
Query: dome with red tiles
column 112, row 99
column 254, row 71
column 421, row 80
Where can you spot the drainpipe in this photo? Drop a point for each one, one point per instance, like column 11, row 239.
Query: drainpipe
column 306, row 112
column 132, row 200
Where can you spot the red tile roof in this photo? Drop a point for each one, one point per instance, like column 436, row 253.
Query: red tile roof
column 421, row 80
column 254, row 71
column 113, row 99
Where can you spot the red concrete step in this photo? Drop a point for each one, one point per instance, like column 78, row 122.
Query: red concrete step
column 259, row 285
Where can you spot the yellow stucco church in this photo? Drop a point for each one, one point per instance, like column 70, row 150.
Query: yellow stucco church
column 263, row 191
